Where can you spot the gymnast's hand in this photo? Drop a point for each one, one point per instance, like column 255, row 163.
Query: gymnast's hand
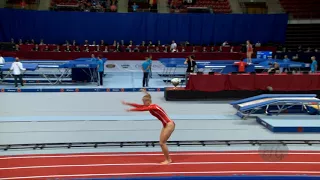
column 124, row 103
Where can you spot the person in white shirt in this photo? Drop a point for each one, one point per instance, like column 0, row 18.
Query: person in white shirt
column 2, row 61
column 173, row 46
column 17, row 69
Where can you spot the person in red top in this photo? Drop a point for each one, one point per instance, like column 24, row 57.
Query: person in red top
column 249, row 52
column 241, row 66
column 159, row 113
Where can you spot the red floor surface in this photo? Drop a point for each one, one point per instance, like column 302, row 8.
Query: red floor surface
column 147, row 164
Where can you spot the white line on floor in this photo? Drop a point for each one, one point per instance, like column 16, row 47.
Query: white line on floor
column 155, row 154
column 148, row 164
column 171, row 173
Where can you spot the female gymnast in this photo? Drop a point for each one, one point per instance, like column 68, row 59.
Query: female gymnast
column 249, row 52
column 159, row 113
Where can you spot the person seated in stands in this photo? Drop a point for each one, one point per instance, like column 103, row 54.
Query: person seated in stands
column 159, row 43
column 224, row 44
column 122, row 42
column 241, row 66
column 57, row 49
column 147, row 49
column 173, row 45
column 36, row 48
column 136, row 49
column 157, row 49
column 258, row 44
column 143, row 43
column 106, row 49
column 86, row 43
column 17, row 48
column 102, row 43
column 150, row 43
column 114, row 43
column 93, row 43
column 212, row 49
column 274, row 68
column 308, row 50
column 165, row 50
column 130, row 43
column 204, row 49
column 194, row 49
column 174, row 49
column 128, row 49
column 118, row 47
column 86, row 49
column 42, row 42
column 74, row 43
column 300, row 49
column 20, row 42
column 77, row 49
column 46, row 49
column 183, row 49
column 97, row 49
column 2, row 61
column 284, row 49
column 32, row 42
column 67, row 49
column 316, row 50
column 296, row 57
column 66, row 43
column 231, row 49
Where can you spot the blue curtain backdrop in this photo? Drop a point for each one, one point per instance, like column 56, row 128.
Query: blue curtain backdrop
column 56, row 27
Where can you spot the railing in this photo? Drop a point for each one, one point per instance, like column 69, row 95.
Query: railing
column 151, row 144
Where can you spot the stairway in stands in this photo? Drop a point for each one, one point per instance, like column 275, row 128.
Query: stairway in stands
column 306, row 35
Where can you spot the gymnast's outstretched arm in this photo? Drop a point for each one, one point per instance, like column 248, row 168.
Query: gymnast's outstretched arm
column 132, row 104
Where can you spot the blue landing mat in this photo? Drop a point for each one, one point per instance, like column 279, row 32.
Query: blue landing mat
column 114, row 118
column 290, row 124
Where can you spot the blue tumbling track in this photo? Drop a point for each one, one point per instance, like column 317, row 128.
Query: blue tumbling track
column 77, row 63
column 266, row 104
column 290, row 124
column 227, row 64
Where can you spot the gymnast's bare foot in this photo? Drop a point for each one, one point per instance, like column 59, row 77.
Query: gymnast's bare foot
column 166, row 162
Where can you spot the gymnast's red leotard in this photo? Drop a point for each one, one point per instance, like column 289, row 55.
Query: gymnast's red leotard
column 249, row 48
column 155, row 110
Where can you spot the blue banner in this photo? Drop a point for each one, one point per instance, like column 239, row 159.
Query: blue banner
column 57, row 27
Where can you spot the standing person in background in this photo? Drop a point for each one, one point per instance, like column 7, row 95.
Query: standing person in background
column 314, row 65
column 146, row 70
column 100, row 70
column 135, row 7
column 17, row 69
column 286, row 61
column 249, row 52
column 2, row 61
column 150, row 61
column 93, row 58
column 191, row 63
column 241, row 66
